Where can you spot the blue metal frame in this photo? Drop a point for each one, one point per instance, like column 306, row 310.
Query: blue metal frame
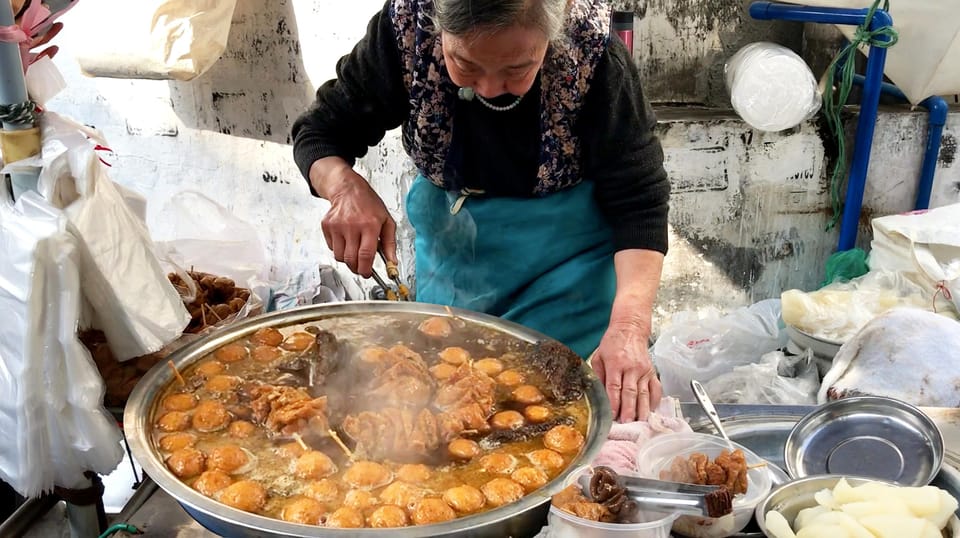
column 937, row 110
column 869, row 102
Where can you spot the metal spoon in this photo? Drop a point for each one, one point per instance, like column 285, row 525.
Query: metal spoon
column 708, row 407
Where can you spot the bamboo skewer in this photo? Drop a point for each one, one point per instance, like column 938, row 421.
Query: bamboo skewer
column 299, row 440
column 337, row 439
column 176, row 373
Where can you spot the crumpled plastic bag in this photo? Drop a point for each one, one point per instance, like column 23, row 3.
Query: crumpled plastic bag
column 775, row 380
column 702, row 348
column 51, row 415
column 318, row 285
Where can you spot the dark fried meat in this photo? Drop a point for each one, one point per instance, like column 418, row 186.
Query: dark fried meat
column 561, row 368
column 729, row 469
column 313, row 366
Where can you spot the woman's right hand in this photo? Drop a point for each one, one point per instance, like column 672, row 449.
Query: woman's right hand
column 358, row 221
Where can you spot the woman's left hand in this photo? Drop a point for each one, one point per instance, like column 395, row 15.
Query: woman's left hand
column 623, row 364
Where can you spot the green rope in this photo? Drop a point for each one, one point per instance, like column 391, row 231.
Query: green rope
column 835, row 99
column 125, row 527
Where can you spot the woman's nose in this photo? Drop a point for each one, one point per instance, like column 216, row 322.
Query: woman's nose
column 490, row 87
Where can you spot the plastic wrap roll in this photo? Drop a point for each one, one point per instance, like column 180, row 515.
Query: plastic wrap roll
column 771, row 87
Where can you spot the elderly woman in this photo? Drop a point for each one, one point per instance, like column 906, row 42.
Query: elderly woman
column 541, row 196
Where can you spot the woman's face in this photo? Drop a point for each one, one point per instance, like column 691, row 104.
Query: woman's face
column 495, row 63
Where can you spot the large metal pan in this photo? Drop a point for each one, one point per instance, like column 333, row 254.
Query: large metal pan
column 523, row 518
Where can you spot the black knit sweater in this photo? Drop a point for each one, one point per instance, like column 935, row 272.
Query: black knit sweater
column 498, row 152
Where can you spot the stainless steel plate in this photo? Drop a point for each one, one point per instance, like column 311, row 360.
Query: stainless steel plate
column 866, row 436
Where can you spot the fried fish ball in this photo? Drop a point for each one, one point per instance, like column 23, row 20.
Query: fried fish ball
column 436, row 327
column 268, row 336
column 266, row 353
column 564, row 439
column 374, row 354
column 221, row 383
column 491, row 367
column 324, row 491
column 536, row 413
column 186, row 462
column 510, row 378
column 210, row 416
column 402, row 494
column 388, row 516
column 299, row 341
column 231, row 353
column 183, row 401
column 314, row 464
column 455, row 355
column 227, row 458
column 546, row 459
column 242, row 429
column 443, row 370
column 290, row 450
column 359, row 499
column 463, row 449
column 211, row 482
column 245, row 495
column 527, row 394
column 501, row 491
column 367, row 475
column 175, row 441
column 345, row 518
column 174, row 421
column 414, row 473
column 303, row 510
column 432, row 510
column 210, row 368
column 507, row 420
column 531, row 478
column 498, row 463
column 464, row 499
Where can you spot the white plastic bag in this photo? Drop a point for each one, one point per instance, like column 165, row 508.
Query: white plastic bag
column 53, row 423
column 133, row 302
column 771, row 87
column 924, row 245
column 702, row 349
column 151, row 39
column 775, row 380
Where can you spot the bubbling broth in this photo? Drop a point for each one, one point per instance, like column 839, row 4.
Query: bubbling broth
column 373, row 421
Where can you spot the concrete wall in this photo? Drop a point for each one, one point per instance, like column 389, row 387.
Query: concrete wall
column 748, row 210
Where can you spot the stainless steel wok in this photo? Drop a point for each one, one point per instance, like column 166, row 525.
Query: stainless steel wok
column 523, row 518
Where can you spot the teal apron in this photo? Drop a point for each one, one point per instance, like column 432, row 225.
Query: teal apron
column 545, row 263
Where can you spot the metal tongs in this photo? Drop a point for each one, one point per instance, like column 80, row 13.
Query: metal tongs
column 402, row 293
column 662, row 496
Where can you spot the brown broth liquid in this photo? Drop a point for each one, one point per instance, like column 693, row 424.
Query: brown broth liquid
column 273, row 461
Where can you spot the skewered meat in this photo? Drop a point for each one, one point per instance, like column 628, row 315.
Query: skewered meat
column 466, row 386
column 399, row 377
column 729, row 469
column 561, row 370
column 287, row 410
column 393, row 432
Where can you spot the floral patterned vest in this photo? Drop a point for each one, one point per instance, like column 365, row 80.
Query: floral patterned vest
column 564, row 80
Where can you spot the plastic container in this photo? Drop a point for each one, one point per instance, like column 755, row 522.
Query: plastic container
column 566, row 525
column 657, row 455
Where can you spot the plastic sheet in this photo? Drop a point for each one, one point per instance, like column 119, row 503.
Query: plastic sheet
column 771, row 87
column 701, row 348
column 775, row 380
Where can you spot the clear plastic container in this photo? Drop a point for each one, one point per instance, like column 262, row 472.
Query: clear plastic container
column 657, row 455
column 566, row 525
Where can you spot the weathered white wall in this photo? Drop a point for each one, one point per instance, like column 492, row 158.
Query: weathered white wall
column 747, row 214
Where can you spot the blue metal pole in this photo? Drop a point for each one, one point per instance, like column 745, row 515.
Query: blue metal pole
column 824, row 15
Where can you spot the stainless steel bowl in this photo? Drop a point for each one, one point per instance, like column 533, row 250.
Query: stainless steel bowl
column 794, row 496
column 869, row 436
column 525, row 517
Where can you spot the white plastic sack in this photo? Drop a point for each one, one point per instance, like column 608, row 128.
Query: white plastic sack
column 923, row 62
column 775, row 380
column 703, row 348
column 771, row 87
column 908, row 354
column 150, row 39
column 133, row 302
column 51, row 415
column 924, row 245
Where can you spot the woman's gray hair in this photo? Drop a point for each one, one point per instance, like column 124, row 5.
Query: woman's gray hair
column 464, row 17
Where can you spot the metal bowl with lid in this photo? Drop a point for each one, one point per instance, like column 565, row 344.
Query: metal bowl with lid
column 867, row 436
column 525, row 517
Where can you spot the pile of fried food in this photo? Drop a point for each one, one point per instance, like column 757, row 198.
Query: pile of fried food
column 607, row 500
column 870, row 510
column 729, row 469
column 217, row 299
